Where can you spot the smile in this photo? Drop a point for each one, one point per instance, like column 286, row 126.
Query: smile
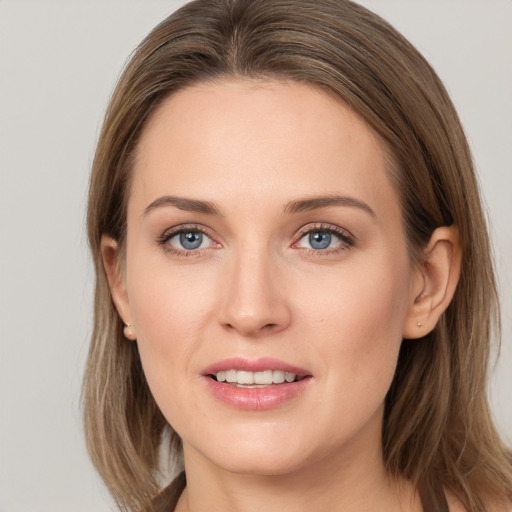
column 256, row 385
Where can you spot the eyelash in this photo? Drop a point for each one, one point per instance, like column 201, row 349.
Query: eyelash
column 169, row 235
column 347, row 240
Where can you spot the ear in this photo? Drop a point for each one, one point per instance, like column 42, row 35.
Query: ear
column 112, row 264
column 434, row 282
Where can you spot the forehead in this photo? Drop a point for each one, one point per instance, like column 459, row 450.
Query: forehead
column 255, row 139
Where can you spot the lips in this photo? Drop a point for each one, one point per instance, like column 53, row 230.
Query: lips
column 258, row 384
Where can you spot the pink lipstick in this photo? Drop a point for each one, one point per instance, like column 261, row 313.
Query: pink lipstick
column 255, row 384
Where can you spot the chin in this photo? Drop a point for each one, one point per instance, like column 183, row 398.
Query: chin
column 257, row 455
column 261, row 465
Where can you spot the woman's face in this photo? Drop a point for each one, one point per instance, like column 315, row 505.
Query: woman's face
column 265, row 240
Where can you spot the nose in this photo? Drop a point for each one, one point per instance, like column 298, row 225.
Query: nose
column 255, row 302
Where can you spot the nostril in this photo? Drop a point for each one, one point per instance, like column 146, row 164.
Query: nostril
column 250, row 327
column 254, row 321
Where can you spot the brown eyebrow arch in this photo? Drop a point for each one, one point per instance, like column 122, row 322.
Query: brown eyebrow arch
column 314, row 203
column 183, row 203
column 297, row 206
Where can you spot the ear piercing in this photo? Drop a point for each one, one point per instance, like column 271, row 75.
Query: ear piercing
column 419, row 324
column 129, row 333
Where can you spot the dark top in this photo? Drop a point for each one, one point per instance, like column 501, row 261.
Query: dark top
column 167, row 500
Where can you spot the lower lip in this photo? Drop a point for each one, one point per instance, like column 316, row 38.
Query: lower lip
column 256, row 398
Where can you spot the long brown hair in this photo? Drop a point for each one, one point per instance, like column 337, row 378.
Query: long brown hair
column 437, row 425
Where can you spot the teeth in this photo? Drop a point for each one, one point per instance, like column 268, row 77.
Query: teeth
column 263, row 377
column 245, row 377
column 231, row 376
column 266, row 377
column 278, row 376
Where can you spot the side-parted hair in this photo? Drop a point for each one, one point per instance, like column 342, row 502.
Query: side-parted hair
column 437, row 427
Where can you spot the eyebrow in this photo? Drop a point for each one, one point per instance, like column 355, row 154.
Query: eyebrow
column 183, row 203
column 315, row 203
column 297, row 206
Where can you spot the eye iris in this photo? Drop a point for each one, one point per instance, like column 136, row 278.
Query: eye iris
column 191, row 240
column 320, row 240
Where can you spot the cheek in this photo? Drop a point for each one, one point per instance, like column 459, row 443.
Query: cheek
column 169, row 310
column 375, row 308
column 361, row 319
column 167, row 300
column 364, row 301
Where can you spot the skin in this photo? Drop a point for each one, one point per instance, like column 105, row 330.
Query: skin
column 255, row 288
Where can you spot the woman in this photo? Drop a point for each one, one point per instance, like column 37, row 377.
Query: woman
column 294, row 294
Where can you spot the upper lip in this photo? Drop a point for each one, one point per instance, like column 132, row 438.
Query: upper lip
column 254, row 365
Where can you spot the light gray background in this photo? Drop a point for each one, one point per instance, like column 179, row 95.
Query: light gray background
column 58, row 63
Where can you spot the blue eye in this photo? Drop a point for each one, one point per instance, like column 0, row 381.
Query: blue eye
column 319, row 239
column 191, row 240
column 186, row 240
column 324, row 239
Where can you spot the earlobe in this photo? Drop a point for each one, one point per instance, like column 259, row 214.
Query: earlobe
column 435, row 282
column 111, row 263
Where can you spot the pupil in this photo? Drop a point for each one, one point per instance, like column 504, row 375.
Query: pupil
column 191, row 240
column 320, row 240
